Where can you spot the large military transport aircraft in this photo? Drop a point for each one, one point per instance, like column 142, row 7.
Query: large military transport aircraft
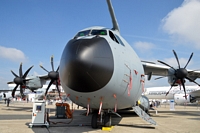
column 100, row 71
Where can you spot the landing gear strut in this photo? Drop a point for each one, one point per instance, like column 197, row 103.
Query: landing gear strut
column 107, row 120
column 104, row 118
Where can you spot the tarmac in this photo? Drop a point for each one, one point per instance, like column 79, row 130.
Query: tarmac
column 183, row 119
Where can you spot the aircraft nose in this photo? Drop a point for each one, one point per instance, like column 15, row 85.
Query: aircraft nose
column 86, row 65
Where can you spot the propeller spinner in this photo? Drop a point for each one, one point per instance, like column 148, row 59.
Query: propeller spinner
column 20, row 80
column 53, row 75
column 180, row 73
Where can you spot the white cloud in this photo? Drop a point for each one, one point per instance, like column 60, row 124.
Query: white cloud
column 12, row 54
column 143, row 46
column 183, row 22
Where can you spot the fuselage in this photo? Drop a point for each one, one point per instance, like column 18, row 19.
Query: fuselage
column 160, row 92
column 99, row 66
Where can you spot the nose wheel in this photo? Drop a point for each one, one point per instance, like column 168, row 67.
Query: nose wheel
column 94, row 122
column 104, row 118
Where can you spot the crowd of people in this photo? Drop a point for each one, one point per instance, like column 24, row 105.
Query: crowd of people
column 154, row 104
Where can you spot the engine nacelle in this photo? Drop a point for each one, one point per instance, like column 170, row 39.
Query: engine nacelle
column 144, row 103
column 180, row 98
column 171, row 77
column 35, row 83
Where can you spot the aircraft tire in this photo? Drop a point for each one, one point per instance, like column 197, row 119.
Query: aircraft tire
column 94, row 122
column 107, row 120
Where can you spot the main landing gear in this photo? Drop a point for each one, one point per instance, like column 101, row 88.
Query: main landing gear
column 104, row 117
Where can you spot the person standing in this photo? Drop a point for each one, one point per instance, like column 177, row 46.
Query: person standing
column 5, row 100
column 8, row 101
column 4, row 96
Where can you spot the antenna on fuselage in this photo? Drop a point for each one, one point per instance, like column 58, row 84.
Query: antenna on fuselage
column 112, row 14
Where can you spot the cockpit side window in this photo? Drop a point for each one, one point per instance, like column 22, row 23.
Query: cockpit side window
column 98, row 32
column 112, row 36
column 116, row 38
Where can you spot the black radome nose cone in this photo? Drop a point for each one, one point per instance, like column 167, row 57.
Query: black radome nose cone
column 86, row 65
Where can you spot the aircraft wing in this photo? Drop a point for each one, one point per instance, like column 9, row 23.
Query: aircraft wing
column 45, row 77
column 160, row 70
column 4, row 90
column 154, row 69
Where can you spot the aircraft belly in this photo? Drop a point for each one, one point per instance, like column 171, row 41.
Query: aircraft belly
column 109, row 101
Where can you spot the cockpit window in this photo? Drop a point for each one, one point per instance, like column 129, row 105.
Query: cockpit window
column 89, row 32
column 99, row 32
column 83, row 33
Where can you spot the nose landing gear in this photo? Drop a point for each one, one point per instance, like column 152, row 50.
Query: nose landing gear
column 95, row 120
column 104, row 117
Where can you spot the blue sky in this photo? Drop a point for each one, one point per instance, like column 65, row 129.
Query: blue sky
column 33, row 30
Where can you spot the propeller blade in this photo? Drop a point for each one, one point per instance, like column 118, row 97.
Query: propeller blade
column 163, row 77
column 192, row 80
column 25, row 74
column 14, row 73
column 51, row 82
column 166, row 64
column 21, row 91
column 183, row 84
column 159, row 78
column 58, row 88
column 57, row 68
column 176, row 59
column 10, row 82
column 171, row 87
column 27, row 79
column 20, row 70
column 189, row 60
column 180, row 87
column 13, row 92
column 43, row 68
column 52, row 63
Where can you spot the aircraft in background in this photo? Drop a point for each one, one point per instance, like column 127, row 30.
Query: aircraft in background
column 39, row 91
column 7, row 93
column 192, row 93
column 53, row 94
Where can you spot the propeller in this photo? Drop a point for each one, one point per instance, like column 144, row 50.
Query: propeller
column 53, row 75
column 20, row 80
column 180, row 73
